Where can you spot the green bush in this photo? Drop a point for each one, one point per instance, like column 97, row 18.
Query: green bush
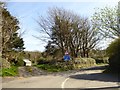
column 113, row 52
column 20, row 62
column 65, row 66
column 42, row 60
column 114, row 48
column 84, row 62
column 12, row 71
column 55, row 67
column 103, row 60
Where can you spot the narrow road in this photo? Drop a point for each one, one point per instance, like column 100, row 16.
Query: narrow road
column 90, row 79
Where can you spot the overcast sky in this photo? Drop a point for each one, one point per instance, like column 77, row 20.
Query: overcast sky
column 28, row 12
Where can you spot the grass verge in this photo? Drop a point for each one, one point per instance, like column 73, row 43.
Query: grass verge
column 12, row 71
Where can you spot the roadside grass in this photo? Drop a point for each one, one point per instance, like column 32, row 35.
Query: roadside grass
column 12, row 71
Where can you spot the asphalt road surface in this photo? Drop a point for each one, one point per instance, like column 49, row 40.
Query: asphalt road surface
column 87, row 79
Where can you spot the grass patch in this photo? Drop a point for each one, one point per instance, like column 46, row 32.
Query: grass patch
column 12, row 71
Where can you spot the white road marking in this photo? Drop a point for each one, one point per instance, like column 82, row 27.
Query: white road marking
column 63, row 83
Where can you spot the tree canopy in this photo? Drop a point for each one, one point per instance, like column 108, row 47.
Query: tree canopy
column 105, row 20
column 68, row 31
column 11, row 41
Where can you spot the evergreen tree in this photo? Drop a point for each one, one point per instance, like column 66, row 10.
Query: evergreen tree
column 11, row 41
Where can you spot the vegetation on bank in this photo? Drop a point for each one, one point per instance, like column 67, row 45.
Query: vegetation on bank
column 78, row 63
column 113, row 52
column 53, row 68
column 12, row 71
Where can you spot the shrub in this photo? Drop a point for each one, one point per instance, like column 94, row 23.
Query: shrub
column 102, row 60
column 58, row 66
column 114, row 48
column 84, row 62
column 42, row 60
column 19, row 62
column 49, row 68
column 113, row 52
column 69, row 65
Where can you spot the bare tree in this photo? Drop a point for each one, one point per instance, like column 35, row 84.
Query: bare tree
column 68, row 31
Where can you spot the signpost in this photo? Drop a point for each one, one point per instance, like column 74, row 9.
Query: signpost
column 66, row 56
